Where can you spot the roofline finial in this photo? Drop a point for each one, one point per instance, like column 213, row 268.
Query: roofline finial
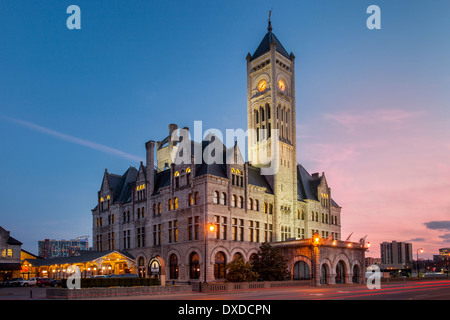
column 269, row 27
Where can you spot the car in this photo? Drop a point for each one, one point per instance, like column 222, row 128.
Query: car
column 29, row 282
column 15, row 282
column 125, row 275
column 42, row 282
column 55, row 283
column 99, row 276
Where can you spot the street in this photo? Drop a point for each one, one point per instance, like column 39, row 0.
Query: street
column 410, row 290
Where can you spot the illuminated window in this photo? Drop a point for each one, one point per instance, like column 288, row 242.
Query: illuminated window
column 175, row 203
column 170, row 204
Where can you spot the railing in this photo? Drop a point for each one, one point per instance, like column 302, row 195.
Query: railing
column 232, row 286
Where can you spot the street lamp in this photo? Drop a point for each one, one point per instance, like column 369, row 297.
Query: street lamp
column 316, row 258
column 421, row 251
column 211, row 228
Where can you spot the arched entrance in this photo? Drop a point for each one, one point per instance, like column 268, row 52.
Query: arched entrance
column 194, row 266
column 173, row 266
column 157, row 269
column 355, row 278
column 141, row 267
column 324, row 274
column 301, row 271
column 340, row 272
column 220, row 265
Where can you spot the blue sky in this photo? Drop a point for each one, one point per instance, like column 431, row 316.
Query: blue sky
column 69, row 97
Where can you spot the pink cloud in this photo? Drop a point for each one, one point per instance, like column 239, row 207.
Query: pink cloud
column 389, row 170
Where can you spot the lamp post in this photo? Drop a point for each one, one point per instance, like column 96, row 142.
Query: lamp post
column 211, row 228
column 316, row 260
column 421, row 250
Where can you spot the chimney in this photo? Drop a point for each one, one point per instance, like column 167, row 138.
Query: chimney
column 150, row 170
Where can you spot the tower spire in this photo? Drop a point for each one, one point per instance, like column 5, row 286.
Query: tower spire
column 269, row 27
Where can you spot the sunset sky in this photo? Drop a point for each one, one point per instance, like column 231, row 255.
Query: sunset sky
column 373, row 106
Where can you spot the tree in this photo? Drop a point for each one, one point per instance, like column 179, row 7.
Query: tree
column 270, row 264
column 240, row 271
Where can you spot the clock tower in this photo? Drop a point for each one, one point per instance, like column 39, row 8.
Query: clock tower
column 271, row 123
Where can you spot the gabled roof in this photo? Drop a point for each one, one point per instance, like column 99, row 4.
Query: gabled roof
column 122, row 185
column 257, row 179
column 13, row 241
column 83, row 256
column 307, row 185
column 264, row 46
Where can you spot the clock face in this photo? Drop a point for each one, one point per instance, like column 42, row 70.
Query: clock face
column 281, row 85
column 262, row 85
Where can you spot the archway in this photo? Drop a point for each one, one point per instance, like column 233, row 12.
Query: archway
column 301, row 271
column 220, row 265
column 324, row 274
column 355, row 278
column 173, row 266
column 340, row 272
column 141, row 267
column 194, row 266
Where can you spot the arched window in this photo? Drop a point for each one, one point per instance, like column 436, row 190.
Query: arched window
column 235, row 204
column 188, row 176
column 241, row 202
column 256, row 205
column 301, row 271
column 323, row 218
column 250, row 204
column 256, row 116
column 253, row 258
column 270, row 208
column 238, row 256
column 223, row 198
column 159, row 208
column 194, row 266
column 175, row 203
column 196, row 198
column 317, row 217
column 312, row 216
column 190, row 200
column 355, row 278
column 173, row 264
column 154, row 209
column 219, row 265
column 268, row 110
column 143, row 212
column 340, row 272
column 177, row 179
column 141, row 267
column 170, row 205
column 216, row 197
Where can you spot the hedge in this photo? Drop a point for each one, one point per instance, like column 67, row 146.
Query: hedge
column 114, row 282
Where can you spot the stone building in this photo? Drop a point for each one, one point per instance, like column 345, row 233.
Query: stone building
column 10, row 250
column 161, row 212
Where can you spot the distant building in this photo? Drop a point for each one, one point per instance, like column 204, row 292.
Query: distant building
column 396, row 255
column 48, row 249
column 370, row 261
column 444, row 255
column 9, row 256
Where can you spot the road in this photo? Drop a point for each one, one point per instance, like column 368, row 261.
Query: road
column 410, row 290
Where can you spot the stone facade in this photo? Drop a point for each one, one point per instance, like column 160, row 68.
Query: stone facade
column 163, row 210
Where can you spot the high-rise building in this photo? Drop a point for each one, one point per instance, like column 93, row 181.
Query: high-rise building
column 48, row 249
column 395, row 254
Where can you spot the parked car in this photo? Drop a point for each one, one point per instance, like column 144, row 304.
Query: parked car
column 125, row 275
column 99, row 276
column 55, row 283
column 42, row 282
column 15, row 282
column 29, row 282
